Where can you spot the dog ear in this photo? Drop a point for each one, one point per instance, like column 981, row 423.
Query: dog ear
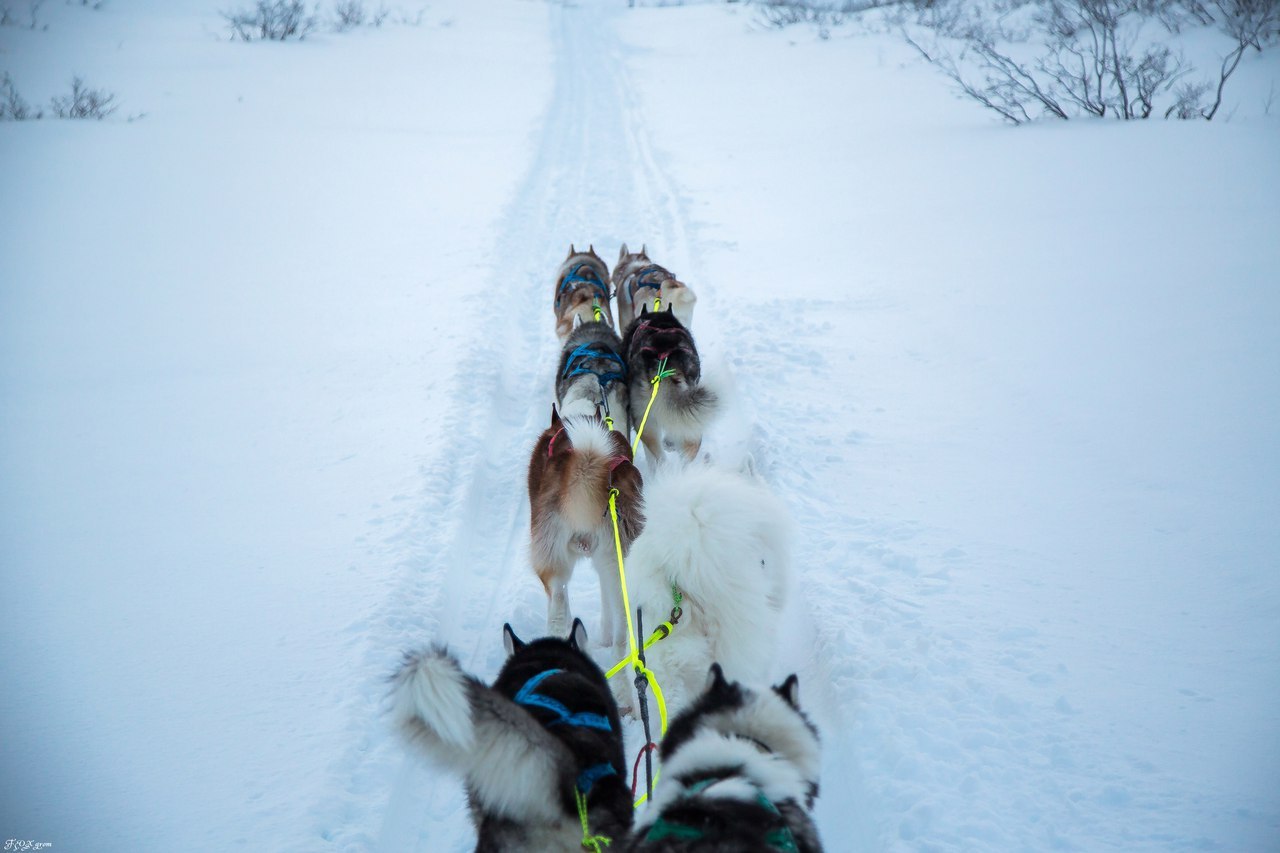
column 622, row 253
column 577, row 320
column 578, row 635
column 644, row 309
column 572, row 251
column 591, row 249
column 510, row 641
column 644, row 251
column 789, row 690
column 555, row 418
column 715, row 679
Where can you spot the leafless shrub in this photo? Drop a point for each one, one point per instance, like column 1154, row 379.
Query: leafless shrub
column 786, row 13
column 1084, row 57
column 83, row 102
column 349, row 14
column 274, row 20
column 1248, row 23
column 13, row 107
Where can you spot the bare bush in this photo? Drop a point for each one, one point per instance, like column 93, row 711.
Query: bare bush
column 273, row 20
column 83, row 102
column 1064, row 58
column 1249, row 23
column 786, row 13
column 13, row 107
column 349, row 14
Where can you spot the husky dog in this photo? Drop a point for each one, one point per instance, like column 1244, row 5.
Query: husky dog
column 739, row 775
column 638, row 281
column 722, row 540
column 592, row 377
column 582, row 285
column 529, row 748
column 684, row 406
column 574, row 465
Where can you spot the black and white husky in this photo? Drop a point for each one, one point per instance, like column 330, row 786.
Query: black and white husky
column 739, row 775
column 592, row 377
column 542, row 739
column 684, row 406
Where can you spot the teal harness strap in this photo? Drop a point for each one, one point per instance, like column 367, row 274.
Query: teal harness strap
column 779, row 838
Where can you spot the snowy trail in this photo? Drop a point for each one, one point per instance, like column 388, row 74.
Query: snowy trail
column 593, row 179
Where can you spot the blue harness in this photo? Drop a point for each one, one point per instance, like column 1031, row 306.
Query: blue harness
column 638, row 279
column 573, row 278
column 585, row 352
column 529, row 697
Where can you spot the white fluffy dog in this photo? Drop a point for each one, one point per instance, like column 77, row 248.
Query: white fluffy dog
column 723, row 540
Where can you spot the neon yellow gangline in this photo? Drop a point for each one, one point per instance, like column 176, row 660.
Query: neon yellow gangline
column 634, row 658
column 660, row 633
column 656, row 381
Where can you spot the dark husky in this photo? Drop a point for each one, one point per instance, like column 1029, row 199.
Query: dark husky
column 572, row 469
column 639, row 281
column 592, row 377
column 684, row 406
column 545, row 736
column 582, row 286
column 739, row 775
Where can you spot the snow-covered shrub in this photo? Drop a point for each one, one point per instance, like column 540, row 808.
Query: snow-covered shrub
column 83, row 102
column 349, row 14
column 274, row 20
column 1065, row 58
column 823, row 15
column 12, row 105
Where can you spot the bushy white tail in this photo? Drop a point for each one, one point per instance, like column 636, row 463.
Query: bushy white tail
column 431, row 699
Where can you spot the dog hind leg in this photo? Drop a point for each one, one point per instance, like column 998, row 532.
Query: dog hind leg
column 555, row 580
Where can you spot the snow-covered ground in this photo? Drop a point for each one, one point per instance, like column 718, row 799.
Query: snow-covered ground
column 273, row 353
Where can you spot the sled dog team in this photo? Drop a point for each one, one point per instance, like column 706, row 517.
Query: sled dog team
column 541, row 749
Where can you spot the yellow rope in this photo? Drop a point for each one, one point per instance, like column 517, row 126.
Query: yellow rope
column 634, row 657
column 659, row 633
column 655, row 382
column 589, row 841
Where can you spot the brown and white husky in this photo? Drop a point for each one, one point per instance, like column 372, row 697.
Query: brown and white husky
column 574, row 466
column 582, row 286
column 639, row 281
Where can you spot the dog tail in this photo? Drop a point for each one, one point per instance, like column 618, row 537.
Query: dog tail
column 694, row 407
column 509, row 761
column 432, row 701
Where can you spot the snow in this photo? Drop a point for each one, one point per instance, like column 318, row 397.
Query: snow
column 273, row 353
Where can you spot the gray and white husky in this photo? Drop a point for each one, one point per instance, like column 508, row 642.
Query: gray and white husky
column 739, row 775
column 582, row 289
column 543, row 738
column 639, row 281
column 592, row 377
column 684, row 406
